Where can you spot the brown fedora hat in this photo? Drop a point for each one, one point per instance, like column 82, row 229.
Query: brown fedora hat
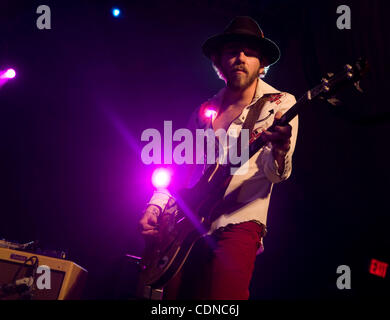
column 246, row 29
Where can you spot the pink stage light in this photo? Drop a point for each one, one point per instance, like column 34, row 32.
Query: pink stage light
column 9, row 74
column 210, row 113
column 161, row 178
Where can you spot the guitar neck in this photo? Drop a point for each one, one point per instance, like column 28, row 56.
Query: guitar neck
column 290, row 114
column 295, row 109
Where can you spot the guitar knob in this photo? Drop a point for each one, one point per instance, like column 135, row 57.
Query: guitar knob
column 348, row 67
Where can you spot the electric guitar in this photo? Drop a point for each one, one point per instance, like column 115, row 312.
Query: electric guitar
column 189, row 216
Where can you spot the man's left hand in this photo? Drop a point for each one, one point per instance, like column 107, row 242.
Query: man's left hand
column 280, row 140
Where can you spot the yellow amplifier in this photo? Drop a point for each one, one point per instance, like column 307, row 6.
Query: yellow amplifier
column 67, row 279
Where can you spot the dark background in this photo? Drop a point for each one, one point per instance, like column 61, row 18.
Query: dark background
column 71, row 122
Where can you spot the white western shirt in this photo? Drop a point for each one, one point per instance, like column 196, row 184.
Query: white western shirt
column 251, row 191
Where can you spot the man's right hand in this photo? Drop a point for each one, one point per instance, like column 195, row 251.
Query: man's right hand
column 148, row 223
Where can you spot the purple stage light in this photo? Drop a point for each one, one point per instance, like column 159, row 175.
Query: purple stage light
column 161, row 178
column 8, row 74
column 210, row 113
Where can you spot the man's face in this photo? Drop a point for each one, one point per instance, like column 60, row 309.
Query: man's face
column 240, row 65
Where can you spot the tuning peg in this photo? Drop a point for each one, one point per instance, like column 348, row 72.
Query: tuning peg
column 348, row 67
column 330, row 74
column 326, row 78
column 357, row 86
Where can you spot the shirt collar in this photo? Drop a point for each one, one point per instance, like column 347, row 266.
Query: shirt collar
column 262, row 88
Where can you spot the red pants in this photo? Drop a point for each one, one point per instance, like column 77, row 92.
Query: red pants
column 219, row 266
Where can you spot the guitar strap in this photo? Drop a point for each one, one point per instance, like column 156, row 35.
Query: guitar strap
column 254, row 113
column 249, row 123
column 252, row 117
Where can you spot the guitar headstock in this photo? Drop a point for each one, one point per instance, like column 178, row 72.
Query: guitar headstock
column 327, row 89
column 332, row 83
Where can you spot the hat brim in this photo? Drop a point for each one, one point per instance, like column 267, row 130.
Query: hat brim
column 269, row 51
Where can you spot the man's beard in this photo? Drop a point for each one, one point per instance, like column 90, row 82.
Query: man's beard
column 241, row 82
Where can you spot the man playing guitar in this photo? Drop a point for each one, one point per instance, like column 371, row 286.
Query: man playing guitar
column 224, row 271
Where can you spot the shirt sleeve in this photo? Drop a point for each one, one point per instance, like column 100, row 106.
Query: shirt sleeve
column 270, row 165
column 160, row 198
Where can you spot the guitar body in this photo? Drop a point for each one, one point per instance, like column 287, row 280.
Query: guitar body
column 164, row 256
column 182, row 223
